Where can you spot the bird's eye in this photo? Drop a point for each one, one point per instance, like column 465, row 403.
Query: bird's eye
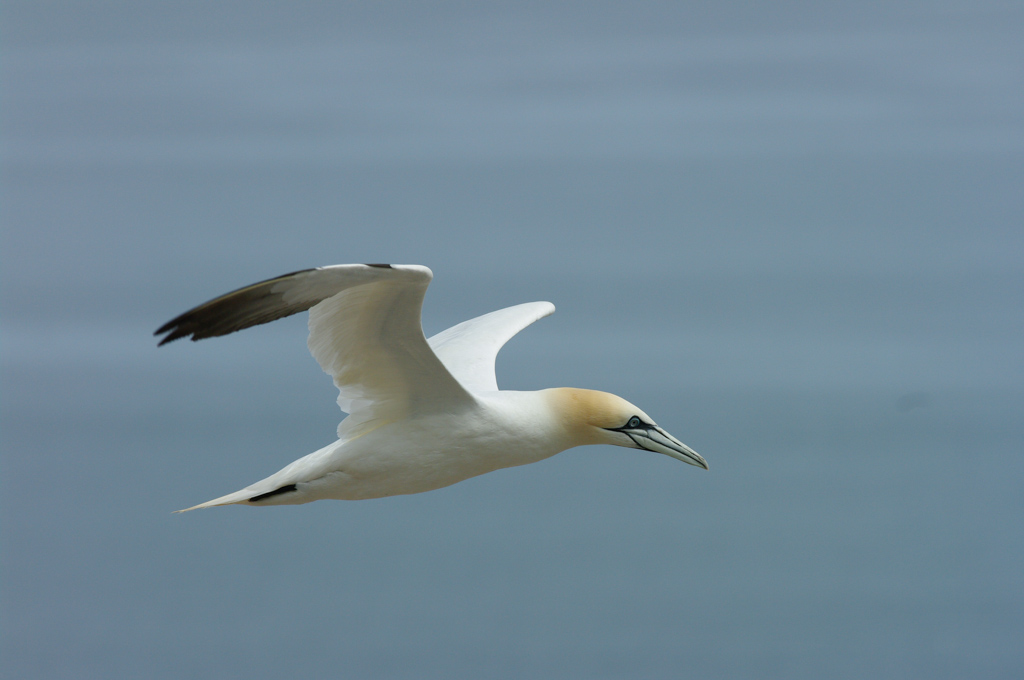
column 633, row 422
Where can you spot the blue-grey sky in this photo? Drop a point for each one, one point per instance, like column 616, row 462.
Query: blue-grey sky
column 790, row 232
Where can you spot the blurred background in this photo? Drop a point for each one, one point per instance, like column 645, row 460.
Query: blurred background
column 790, row 232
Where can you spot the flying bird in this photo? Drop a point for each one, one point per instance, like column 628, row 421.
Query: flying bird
column 422, row 414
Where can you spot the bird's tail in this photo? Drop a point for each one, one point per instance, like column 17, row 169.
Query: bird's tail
column 242, row 496
column 266, row 492
column 291, row 485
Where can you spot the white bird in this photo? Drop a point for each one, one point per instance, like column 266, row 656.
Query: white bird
column 423, row 414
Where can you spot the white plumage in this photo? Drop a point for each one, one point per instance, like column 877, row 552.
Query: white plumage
column 422, row 414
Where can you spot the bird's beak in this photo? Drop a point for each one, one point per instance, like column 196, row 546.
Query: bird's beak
column 654, row 438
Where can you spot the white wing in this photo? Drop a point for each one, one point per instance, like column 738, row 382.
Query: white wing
column 469, row 349
column 364, row 330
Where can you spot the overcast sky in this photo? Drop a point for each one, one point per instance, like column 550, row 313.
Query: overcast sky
column 791, row 232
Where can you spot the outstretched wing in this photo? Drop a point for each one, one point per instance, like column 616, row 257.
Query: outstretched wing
column 469, row 349
column 364, row 331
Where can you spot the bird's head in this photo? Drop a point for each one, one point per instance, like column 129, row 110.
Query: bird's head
column 593, row 417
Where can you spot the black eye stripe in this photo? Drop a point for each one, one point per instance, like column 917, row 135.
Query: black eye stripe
column 634, row 423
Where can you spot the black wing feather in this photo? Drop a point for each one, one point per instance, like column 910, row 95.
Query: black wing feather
column 248, row 306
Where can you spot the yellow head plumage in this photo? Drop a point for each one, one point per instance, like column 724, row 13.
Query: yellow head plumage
column 589, row 414
column 591, row 417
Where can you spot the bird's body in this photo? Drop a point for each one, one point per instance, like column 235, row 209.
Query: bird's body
column 420, row 454
column 423, row 414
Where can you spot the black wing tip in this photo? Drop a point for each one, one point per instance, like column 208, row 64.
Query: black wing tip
column 171, row 328
column 197, row 324
column 172, row 337
column 264, row 496
column 175, row 331
column 228, row 313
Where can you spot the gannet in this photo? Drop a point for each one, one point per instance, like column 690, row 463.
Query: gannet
column 422, row 414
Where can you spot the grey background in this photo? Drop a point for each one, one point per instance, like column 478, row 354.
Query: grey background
column 791, row 232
